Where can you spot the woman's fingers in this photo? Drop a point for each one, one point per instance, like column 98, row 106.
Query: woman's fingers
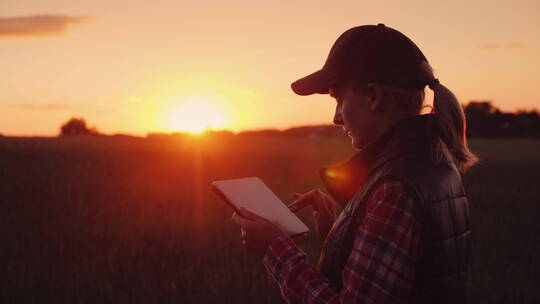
column 250, row 215
column 294, row 206
column 246, row 223
column 238, row 220
column 310, row 198
column 300, row 204
column 255, row 237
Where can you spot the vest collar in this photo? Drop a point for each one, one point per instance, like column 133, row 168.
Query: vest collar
column 344, row 179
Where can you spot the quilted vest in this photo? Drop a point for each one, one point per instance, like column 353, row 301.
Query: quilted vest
column 404, row 152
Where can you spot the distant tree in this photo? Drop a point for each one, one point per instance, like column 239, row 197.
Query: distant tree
column 76, row 127
column 480, row 108
column 482, row 119
column 486, row 120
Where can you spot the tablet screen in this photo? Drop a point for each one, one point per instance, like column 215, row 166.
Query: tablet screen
column 252, row 194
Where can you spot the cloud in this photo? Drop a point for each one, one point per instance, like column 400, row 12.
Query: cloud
column 52, row 106
column 38, row 25
column 502, row 46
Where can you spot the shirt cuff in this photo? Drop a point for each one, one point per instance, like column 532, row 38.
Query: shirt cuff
column 280, row 245
column 280, row 255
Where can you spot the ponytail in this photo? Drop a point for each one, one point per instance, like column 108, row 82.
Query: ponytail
column 448, row 124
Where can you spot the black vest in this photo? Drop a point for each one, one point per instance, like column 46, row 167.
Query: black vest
column 431, row 177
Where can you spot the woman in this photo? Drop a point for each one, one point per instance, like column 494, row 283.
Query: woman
column 403, row 235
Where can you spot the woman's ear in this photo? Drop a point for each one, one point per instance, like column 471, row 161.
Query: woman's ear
column 375, row 96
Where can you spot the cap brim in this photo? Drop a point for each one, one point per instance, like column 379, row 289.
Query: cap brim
column 318, row 82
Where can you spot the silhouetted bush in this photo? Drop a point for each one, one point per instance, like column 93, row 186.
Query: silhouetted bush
column 486, row 120
column 77, row 127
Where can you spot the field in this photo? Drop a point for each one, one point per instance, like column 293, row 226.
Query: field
column 127, row 220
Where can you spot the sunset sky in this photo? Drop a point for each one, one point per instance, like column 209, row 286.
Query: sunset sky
column 163, row 65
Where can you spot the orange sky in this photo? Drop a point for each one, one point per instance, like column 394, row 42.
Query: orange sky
column 139, row 66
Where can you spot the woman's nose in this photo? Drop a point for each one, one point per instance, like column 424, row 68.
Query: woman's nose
column 338, row 120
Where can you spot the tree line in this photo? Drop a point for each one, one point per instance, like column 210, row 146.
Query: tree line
column 484, row 120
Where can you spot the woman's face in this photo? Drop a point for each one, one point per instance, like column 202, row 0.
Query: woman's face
column 355, row 111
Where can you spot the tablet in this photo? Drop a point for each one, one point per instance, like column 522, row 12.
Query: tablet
column 252, row 194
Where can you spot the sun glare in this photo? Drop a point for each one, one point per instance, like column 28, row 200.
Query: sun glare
column 195, row 115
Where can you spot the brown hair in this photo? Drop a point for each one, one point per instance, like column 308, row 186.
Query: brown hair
column 448, row 123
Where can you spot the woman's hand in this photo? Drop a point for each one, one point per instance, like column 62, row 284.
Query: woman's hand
column 257, row 232
column 324, row 209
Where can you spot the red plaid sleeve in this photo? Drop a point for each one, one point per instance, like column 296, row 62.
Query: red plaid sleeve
column 380, row 268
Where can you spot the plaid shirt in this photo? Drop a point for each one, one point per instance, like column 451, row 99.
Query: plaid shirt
column 380, row 268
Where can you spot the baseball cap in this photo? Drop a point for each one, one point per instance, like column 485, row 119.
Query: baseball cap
column 367, row 53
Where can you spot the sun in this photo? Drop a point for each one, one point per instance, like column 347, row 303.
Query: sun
column 195, row 115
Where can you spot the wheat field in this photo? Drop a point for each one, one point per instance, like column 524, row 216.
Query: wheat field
column 132, row 220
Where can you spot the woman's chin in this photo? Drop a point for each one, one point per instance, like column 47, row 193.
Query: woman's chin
column 355, row 143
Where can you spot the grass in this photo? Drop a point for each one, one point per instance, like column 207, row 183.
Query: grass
column 108, row 220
